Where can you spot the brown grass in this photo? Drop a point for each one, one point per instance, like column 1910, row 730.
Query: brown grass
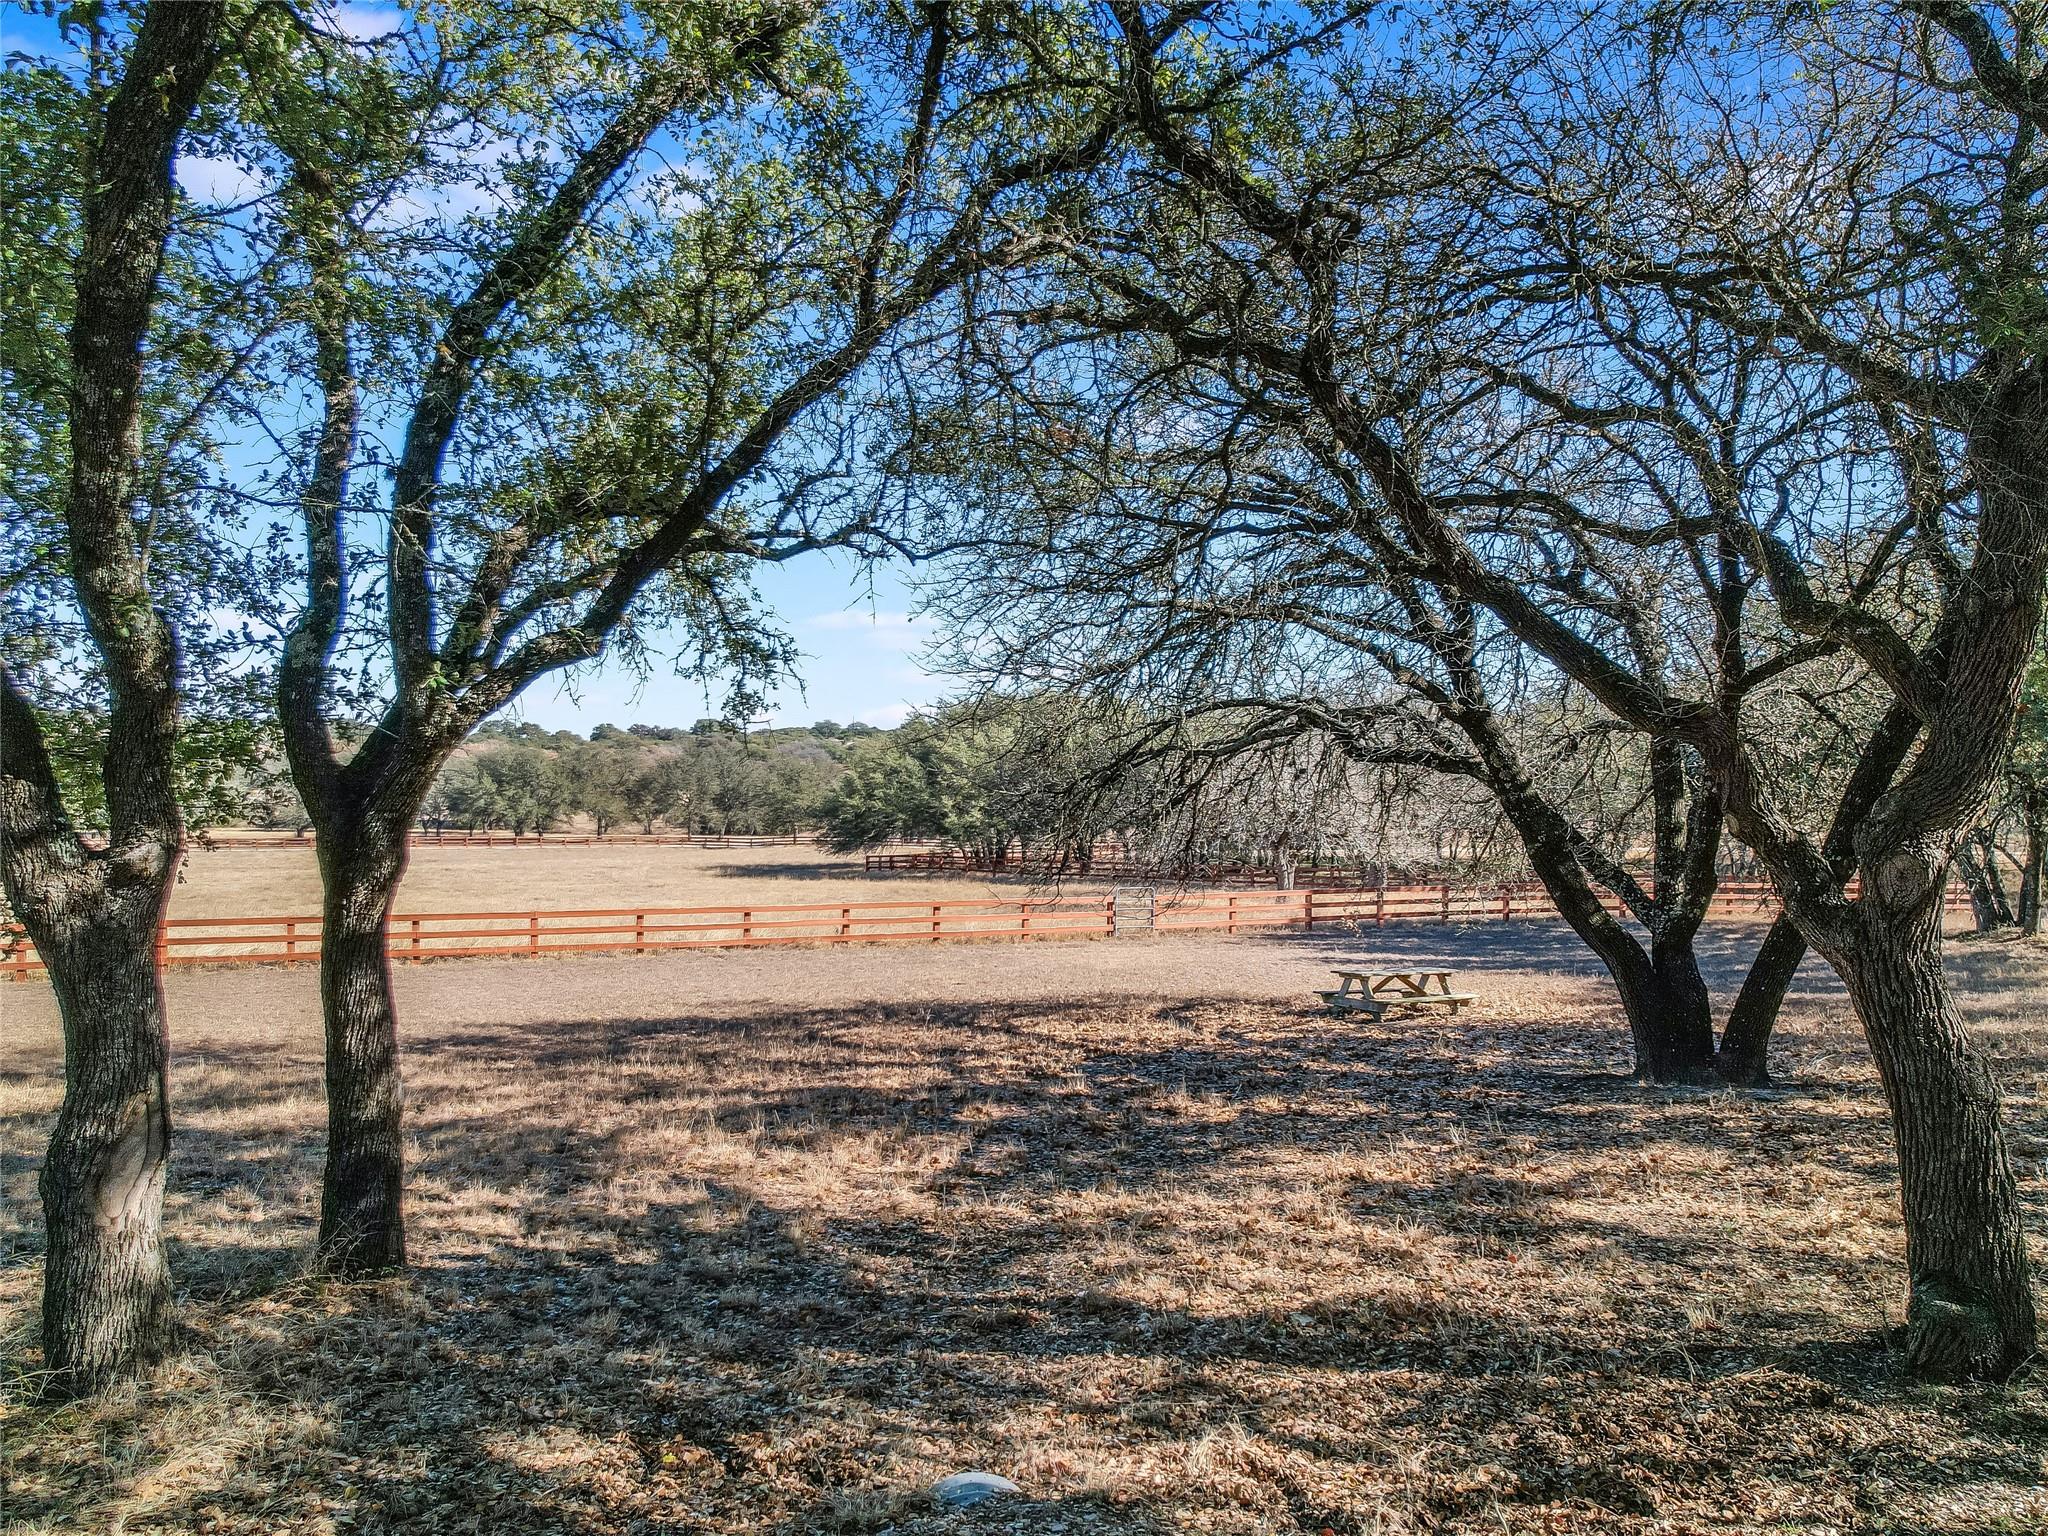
column 278, row 882
column 1171, row 1251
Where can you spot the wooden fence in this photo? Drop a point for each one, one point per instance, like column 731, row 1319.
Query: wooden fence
column 431, row 935
column 712, row 840
column 1439, row 903
column 1101, row 867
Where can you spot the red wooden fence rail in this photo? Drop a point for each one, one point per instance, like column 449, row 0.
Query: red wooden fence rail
column 427, row 935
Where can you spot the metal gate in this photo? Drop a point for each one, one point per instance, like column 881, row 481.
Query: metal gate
column 1132, row 909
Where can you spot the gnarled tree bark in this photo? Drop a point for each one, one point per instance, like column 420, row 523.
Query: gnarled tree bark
column 94, row 916
column 1970, row 1309
column 95, row 913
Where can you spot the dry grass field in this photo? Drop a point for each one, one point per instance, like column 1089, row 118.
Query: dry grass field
column 766, row 1242
column 277, row 882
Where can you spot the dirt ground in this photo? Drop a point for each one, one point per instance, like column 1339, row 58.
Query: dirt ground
column 768, row 1241
column 282, row 882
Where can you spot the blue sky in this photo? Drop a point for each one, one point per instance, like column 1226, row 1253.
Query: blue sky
column 860, row 659
column 854, row 626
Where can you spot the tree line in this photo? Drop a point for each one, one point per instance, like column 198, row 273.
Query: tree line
column 1486, row 393
column 710, row 778
column 1036, row 781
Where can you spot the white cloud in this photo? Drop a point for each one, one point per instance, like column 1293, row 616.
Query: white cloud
column 365, row 22
column 439, row 204
column 218, row 182
column 907, row 626
column 476, row 183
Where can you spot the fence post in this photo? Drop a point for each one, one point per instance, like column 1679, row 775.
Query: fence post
column 1506, row 910
column 935, row 922
column 291, row 938
column 1379, row 914
column 533, row 933
column 1023, row 920
column 746, row 925
column 845, row 922
column 1308, row 911
column 1444, row 909
column 639, row 933
column 1230, row 915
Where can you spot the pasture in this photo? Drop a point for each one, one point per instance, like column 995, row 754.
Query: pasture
column 768, row 1241
column 268, row 882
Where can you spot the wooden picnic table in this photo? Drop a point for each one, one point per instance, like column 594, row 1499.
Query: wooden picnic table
column 1375, row 992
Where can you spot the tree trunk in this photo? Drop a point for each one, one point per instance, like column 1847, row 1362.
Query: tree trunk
column 1970, row 1310
column 1663, row 996
column 94, row 916
column 1669, row 1011
column 1983, row 906
column 1977, row 859
column 106, row 1286
column 1744, row 1056
column 94, row 913
column 362, row 1211
column 1987, row 852
column 2030, row 876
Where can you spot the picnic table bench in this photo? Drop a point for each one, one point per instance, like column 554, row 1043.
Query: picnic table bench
column 1375, row 992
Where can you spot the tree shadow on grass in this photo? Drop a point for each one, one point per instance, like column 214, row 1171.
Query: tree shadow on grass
column 1158, row 1263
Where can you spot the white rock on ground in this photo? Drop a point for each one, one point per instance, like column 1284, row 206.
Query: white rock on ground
column 964, row 1490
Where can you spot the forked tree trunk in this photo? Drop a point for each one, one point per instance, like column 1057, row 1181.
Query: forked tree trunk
column 106, row 1286
column 1663, row 996
column 362, row 1196
column 94, row 914
column 1970, row 1307
column 1670, row 1013
column 1970, row 1310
